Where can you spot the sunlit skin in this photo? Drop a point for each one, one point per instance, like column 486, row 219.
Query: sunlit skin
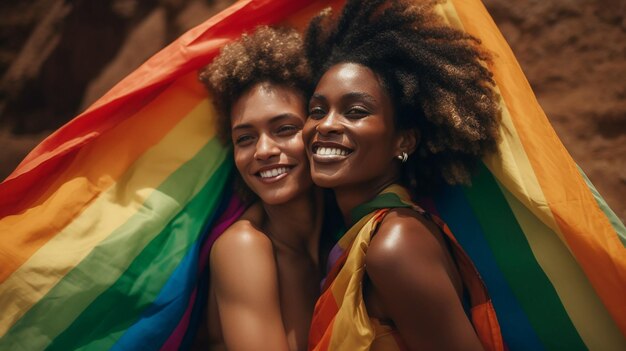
column 412, row 281
column 349, row 112
column 266, row 133
column 265, row 268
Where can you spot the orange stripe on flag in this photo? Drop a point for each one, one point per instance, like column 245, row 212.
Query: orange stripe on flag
column 586, row 230
column 325, row 310
column 96, row 167
column 324, row 343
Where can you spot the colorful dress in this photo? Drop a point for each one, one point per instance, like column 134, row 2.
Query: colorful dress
column 341, row 321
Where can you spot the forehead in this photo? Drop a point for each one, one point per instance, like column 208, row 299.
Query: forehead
column 346, row 78
column 263, row 101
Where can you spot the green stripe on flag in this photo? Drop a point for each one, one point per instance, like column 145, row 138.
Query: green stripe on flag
column 514, row 256
column 120, row 306
column 112, row 257
column 616, row 223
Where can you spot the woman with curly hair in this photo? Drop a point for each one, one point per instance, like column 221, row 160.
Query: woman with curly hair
column 265, row 268
column 403, row 104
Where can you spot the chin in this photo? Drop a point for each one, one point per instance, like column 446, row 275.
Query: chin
column 325, row 181
column 279, row 196
column 275, row 200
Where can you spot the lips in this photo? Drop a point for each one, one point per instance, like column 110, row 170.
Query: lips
column 273, row 173
column 329, row 151
column 324, row 152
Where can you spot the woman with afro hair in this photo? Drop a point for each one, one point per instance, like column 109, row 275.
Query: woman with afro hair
column 403, row 104
column 265, row 268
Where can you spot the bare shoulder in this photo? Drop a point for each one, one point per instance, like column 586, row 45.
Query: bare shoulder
column 404, row 237
column 242, row 234
column 414, row 278
column 244, row 278
column 242, row 240
column 243, row 267
column 245, row 232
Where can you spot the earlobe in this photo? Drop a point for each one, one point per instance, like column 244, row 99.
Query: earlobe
column 407, row 141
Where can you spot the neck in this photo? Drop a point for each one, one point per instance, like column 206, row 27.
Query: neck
column 349, row 197
column 295, row 226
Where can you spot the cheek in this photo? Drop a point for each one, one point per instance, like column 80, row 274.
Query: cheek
column 241, row 157
column 375, row 134
column 377, row 142
column 297, row 147
column 308, row 130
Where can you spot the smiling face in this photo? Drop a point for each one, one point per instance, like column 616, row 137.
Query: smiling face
column 350, row 134
column 269, row 153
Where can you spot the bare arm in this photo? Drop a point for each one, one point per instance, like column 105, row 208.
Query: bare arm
column 412, row 276
column 243, row 274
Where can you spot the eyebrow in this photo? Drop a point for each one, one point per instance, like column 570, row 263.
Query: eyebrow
column 360, row 96
column 318, row 97
column 274, row 119
column 349, row 96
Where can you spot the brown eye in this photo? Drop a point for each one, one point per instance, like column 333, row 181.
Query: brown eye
column 286, row 130
column 317, row 113
column 243, row 139
column 356, row 112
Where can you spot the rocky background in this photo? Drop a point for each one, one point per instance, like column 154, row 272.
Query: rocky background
column 58, row 56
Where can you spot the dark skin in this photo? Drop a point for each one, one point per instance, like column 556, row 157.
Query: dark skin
column 411, row 279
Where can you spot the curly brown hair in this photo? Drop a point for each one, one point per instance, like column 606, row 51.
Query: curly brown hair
column 268, row 55
column 273, row 55
column 435, row 75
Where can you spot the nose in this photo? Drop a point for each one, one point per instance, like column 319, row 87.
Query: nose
column 265, row 148
column 330, row 124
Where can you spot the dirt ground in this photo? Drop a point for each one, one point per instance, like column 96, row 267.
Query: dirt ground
column 56, row 58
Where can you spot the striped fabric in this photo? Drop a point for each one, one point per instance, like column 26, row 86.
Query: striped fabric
column 105, row 227
column 548, row 247
column 341, row 310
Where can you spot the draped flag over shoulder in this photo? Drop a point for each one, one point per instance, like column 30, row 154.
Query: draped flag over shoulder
column 105, row 227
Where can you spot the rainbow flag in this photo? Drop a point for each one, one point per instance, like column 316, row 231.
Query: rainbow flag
column 105, row 227
column 549, row 249
column 340, row 320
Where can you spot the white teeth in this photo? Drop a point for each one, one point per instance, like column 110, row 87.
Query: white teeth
column 273, row 172
column 330, row 151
